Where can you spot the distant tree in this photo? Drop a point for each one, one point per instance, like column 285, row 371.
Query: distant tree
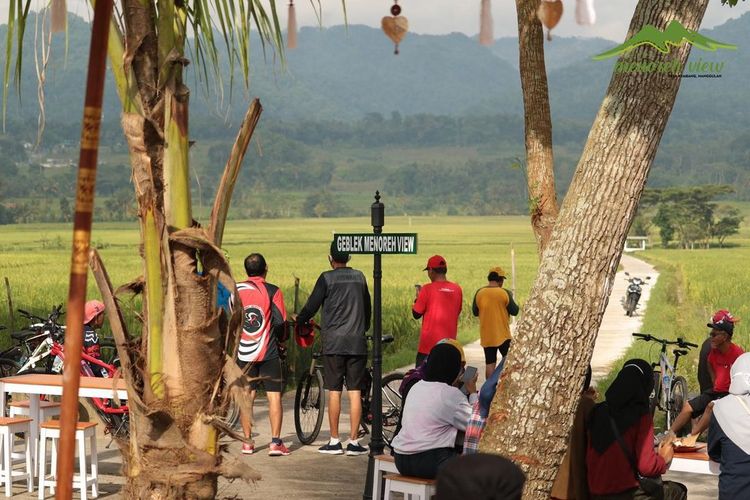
column 687, row 214
column 323, row 204
column 728, row 223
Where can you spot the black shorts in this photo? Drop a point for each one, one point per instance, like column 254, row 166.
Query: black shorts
column 490, row 353
column 701, row 401
column 269, row 370
column 340, row 367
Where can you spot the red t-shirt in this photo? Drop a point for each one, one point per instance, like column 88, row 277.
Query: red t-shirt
column 721, row 363
column 440, row 304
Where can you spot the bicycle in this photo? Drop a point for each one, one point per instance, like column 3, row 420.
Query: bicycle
column 41, row 350
column 309, row 401
column 670, row 390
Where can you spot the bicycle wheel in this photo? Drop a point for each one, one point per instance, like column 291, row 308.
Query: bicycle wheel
column 232, row 418
column 679, row 397
column 108, row 352
column 8, row 367
column 391, row 405
column 309, row 406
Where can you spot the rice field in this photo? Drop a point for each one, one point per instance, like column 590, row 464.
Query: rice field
column 693, row 283
column 36, row 261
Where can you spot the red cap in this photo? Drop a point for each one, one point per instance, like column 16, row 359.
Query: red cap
column 304, row 335
column 722, row 320
column 91, row 310
column 435, row 261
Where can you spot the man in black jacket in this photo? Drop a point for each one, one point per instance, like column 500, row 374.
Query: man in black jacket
column 345, row 299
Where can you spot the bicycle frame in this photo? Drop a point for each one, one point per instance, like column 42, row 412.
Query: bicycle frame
column 667, row 375
column 58, row 351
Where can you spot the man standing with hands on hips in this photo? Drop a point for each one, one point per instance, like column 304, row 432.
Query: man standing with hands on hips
column 438, row 303
column 494, row 305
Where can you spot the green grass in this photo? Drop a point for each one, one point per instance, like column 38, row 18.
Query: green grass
column 36, row 260
column 692, row 285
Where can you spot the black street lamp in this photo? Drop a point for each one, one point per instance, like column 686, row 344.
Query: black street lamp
column 377, row 217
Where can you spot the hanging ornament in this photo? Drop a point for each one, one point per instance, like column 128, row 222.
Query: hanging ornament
column 549, row 13
column 291, row 27
column 395, row 26
column 485, row 24
column 59, row 16
column 585, row 13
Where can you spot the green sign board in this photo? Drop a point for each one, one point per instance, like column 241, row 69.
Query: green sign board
column 368, row 243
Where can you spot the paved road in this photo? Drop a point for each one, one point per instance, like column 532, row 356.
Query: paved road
column 306, row 474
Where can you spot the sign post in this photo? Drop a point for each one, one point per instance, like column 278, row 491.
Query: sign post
column 377, row 244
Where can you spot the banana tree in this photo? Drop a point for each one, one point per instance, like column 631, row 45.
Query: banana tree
column 179, row 369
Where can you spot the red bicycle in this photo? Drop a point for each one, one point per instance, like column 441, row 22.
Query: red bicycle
column 115, row 418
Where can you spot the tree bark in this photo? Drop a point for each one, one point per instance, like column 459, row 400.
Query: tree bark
column 537, row 123
column 538, row 392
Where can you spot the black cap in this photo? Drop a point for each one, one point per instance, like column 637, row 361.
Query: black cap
column 338, row 256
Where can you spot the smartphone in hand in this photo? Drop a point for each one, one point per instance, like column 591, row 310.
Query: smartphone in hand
column 469, row 373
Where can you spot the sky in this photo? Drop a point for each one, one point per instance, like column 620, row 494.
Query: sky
column 447, row 16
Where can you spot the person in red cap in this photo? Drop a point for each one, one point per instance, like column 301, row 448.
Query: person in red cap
column 438, row 303
column 260, row 346
column 720, row 359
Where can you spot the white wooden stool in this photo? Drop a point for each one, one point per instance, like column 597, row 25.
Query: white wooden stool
column 84, row 479
column 411, row 487
column 47, row 409
column 8, row 428
column 383, row 465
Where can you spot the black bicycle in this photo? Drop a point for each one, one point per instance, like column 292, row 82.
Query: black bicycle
column 309, row 402
column 670, row 390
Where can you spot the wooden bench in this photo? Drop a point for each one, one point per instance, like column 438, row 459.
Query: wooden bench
column 412, row 487
column 384, row 464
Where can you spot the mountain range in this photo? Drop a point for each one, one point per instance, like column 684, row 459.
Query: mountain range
column 349, row 74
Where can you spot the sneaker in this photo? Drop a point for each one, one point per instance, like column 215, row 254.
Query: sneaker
column 248, row 448
column 278, row 450
column 354, row 449
column 331, row 449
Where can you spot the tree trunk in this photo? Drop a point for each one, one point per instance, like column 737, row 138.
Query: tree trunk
column 533, row 411
column 537, row 123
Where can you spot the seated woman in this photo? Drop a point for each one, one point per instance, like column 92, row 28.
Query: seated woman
column 729, row 434
column 621, row 440
column 433, row 414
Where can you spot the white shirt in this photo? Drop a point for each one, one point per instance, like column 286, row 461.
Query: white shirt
column 433, row 415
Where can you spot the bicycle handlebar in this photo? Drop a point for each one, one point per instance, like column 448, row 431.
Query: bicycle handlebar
column 650, row 338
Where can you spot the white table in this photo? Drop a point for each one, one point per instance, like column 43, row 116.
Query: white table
column 696, row 462
column 52, row 385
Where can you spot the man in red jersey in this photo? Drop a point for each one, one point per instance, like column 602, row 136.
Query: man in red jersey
column 263, row 322
column 720, row 359
column 439, row 305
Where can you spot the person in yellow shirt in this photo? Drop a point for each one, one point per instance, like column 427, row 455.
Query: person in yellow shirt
column 494, row 305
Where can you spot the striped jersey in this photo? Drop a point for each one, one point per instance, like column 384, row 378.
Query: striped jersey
column 263, row 313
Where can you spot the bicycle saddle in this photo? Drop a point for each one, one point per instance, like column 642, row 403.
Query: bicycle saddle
column 23, row 335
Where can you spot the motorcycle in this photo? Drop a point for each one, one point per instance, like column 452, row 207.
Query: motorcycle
column 633, row 293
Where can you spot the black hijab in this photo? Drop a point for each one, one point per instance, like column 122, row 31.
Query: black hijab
column 479, row 476
column 443, row 364
column 627, row 400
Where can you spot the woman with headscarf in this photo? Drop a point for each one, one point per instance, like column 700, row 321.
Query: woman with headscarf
column 729, row 434
column 433, row 414
column 621, row 439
